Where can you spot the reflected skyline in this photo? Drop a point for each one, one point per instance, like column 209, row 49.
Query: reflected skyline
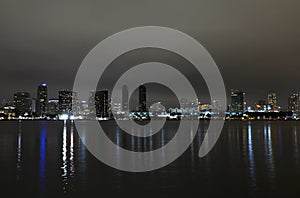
column 52, row 156
column 296, row 144
column 252, row 171
column 42, row 164
column 68, row 169
column 19, row 152
column 269, row 150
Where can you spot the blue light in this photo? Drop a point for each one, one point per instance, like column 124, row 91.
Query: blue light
column 42, row 160
column 44, row 84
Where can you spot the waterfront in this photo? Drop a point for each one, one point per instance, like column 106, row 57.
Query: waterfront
column 251, row 158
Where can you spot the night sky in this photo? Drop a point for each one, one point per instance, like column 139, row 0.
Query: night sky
column 256, row 44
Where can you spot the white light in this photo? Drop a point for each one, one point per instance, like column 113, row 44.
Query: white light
column 64, row 117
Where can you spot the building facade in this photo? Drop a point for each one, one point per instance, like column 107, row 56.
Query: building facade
column 294, row 102
column 101, row 103
column 142, row 99
column 66, row 99
column 41, row 100
column 272, row 100
column 22, row 103
column 238, row 102
column 53, row 107
column 125, row 98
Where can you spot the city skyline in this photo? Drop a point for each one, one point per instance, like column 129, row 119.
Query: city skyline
column 234, row 97
column 144, row 98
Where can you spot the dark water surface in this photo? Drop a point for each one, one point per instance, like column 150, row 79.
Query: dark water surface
column 251, row 159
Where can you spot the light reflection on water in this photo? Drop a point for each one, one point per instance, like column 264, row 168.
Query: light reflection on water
column 269, row 150
column 251, row 157
column 296, row 144
column 279, row 134
column 19, row 152
column 42, row 163
column 255, row 156
column 68, row 169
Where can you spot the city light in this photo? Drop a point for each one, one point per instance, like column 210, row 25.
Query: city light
column 67, row 106
column 64, row 117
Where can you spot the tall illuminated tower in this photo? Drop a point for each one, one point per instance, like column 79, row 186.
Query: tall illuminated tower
column 101, row 103
column 294, row 102
column 22, row 103
column 66, row 99
column 272, row 100
column 125, row 98
column 238, row 102
column 41, row 100
column 142, row 99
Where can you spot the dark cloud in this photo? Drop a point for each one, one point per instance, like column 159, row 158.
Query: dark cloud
column 255, row 43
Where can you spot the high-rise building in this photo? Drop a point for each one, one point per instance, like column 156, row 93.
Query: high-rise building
column 272, row 100
column 238, row 102
column 101, row 103
column 91, row 103
column 65, row 100
column 142, row 99
column 184, row 103
column 22, row 103
column 53, row 107
column 83, row 108
column 41, row 100
column 33, row 105
column 116, row 107
column 215, row 105
column 9, row 110
column 294, row 102
column 125, row 98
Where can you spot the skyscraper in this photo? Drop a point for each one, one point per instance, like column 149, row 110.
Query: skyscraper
column 294, row 102
column 53, row 107
column 91, row 104
column 142, row 99
column 33, row 105
column 41, row 100
column 101, row 103
column 184, row 103
column 125, row 98
column 65, row 100
column 272, row 100
column 22, row 102
column 238, row 102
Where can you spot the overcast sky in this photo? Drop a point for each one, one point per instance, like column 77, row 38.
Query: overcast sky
column 256, row 43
